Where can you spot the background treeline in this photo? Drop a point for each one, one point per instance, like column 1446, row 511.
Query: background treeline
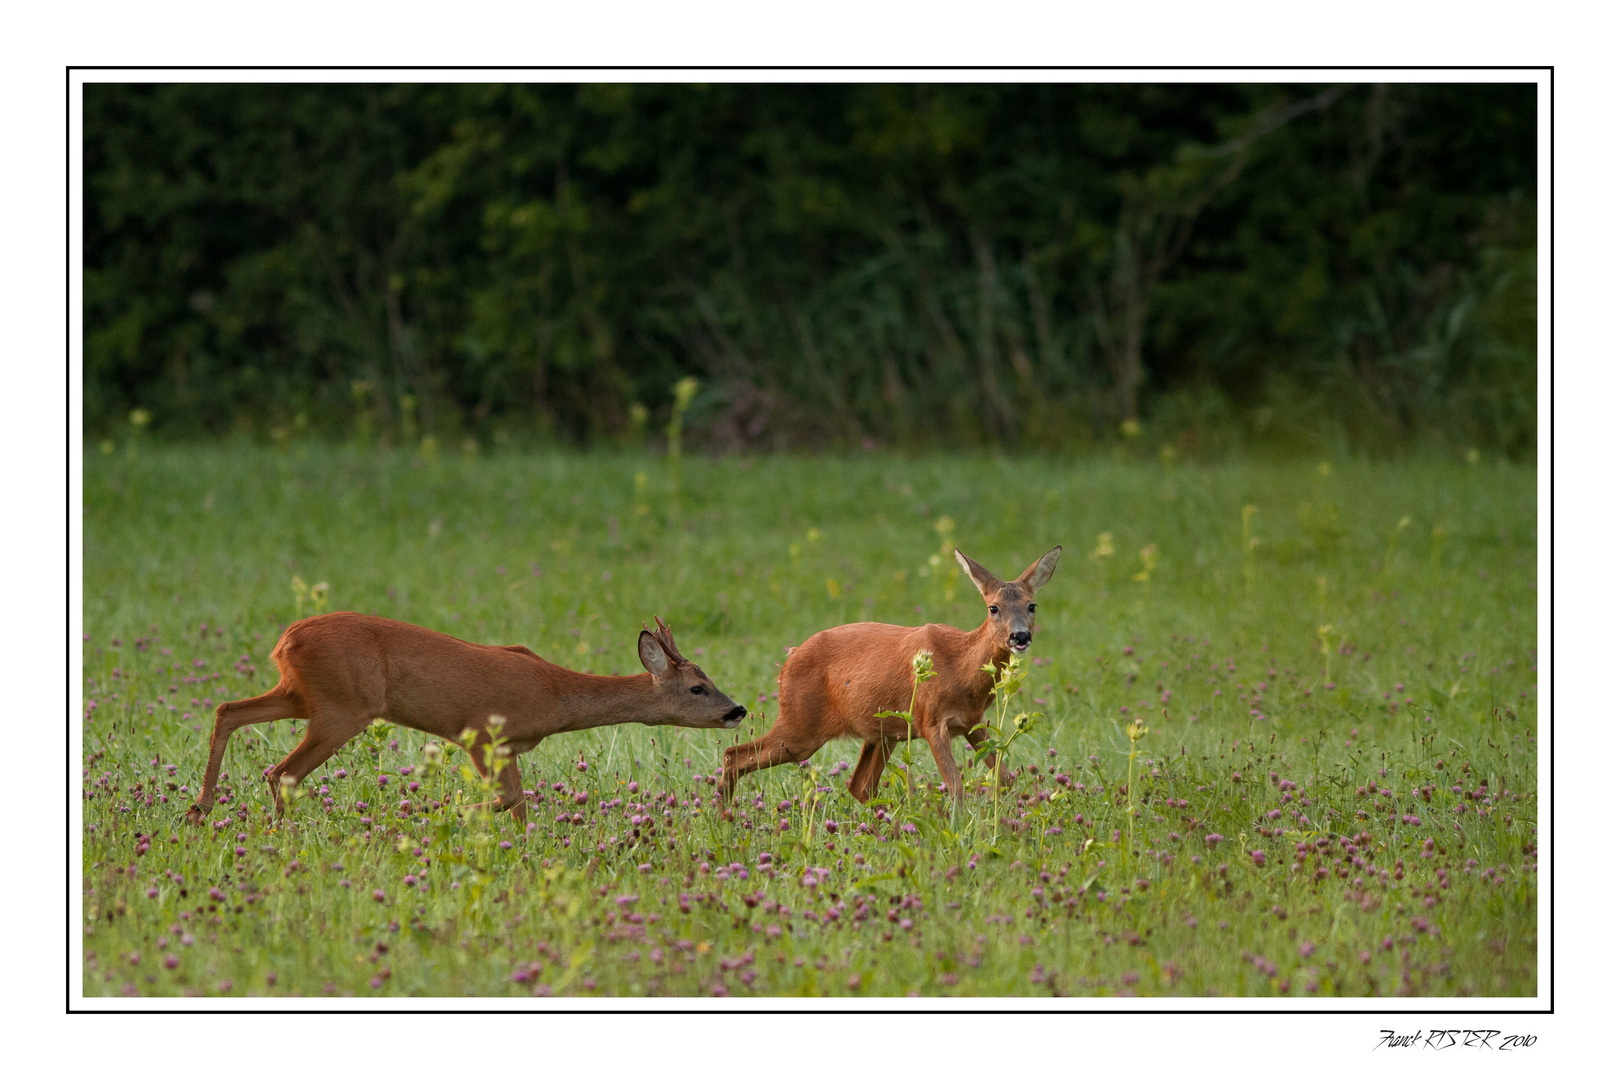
column 1027, row 266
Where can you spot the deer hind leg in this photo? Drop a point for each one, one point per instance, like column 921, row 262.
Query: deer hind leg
column 323, row 737
column 869, row 769
column 281, row 703
column 766, row 752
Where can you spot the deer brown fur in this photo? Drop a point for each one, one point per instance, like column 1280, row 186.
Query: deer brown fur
column 834, row 685
column 340, row 671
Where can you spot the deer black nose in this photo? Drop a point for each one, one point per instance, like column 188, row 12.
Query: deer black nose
column 736, row 714
column 1019, row 637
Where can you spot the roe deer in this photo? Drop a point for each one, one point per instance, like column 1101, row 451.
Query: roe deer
column 340, row 671
column 834, row 685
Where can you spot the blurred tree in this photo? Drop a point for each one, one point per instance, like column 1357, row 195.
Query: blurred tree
column 1018, row 265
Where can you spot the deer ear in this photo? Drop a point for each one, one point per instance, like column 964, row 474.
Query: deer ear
column 653, row 656
column 1040, row 571
column 982, row 578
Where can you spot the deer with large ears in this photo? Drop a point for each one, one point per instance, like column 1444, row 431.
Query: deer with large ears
column 340, row 671
column 836, row 683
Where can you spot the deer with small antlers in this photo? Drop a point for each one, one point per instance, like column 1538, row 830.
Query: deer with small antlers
column 342, row 670
column 837, row 683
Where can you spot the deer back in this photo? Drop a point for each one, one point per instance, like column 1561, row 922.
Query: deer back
column 841, row 678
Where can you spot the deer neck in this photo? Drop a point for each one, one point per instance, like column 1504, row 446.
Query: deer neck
column 987, row 646
column 590, row 701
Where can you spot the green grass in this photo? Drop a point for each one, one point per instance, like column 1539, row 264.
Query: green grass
column 1411, row 738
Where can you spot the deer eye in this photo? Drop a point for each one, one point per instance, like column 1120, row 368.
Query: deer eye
column 994, row 610
column 699, row 690
column 1032, row 609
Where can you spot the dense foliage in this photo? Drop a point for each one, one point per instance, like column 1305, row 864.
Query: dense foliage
column 959, row 265
column 1332, row 789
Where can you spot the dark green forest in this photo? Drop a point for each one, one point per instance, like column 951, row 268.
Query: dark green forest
column 1029, row 267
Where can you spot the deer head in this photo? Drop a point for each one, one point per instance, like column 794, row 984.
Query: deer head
column 1012, row 603
column 691, row 698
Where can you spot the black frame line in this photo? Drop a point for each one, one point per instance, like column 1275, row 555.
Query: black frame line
column 877, row 1011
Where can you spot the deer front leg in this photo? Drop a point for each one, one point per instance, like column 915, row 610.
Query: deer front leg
column 511, row 797
column 976, row 737
column 939, row 741
column 512, row 794
column 508, row 777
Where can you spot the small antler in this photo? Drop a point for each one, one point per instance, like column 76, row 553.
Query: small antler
column 666, row 641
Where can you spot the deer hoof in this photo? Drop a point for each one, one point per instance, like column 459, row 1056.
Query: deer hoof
column 194, row 816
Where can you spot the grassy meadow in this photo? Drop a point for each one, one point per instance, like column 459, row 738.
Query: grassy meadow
column 1331, row 790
